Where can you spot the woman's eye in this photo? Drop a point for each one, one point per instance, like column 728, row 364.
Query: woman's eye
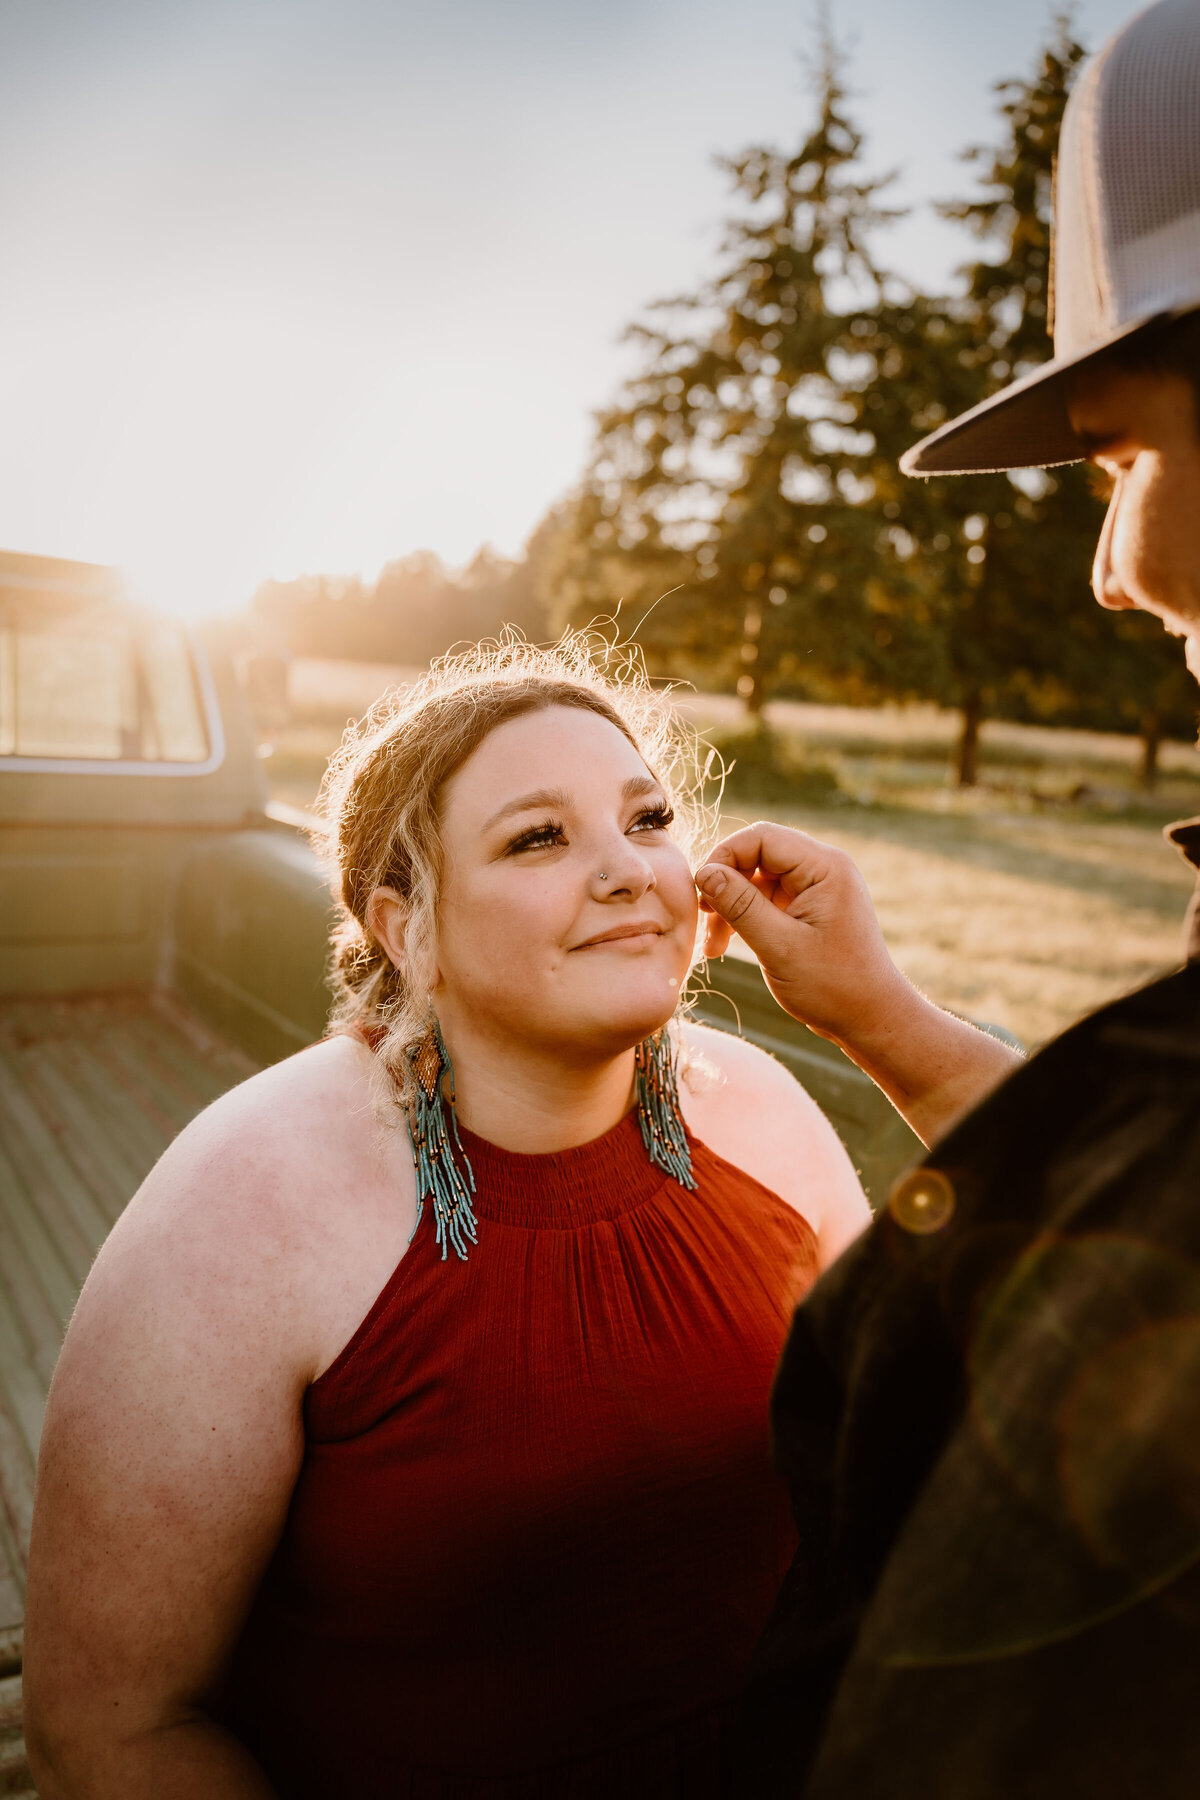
column 539, row 837
column 655, row 818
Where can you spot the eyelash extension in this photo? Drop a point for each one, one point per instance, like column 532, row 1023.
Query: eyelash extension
column 540, row 837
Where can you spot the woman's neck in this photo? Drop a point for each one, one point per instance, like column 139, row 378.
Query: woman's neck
column 533, row 1101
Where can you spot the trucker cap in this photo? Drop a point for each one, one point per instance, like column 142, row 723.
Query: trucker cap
column 1126, row 238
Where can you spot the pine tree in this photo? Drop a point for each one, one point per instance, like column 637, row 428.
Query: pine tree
column 726, row 470
column 1023, row 635
column 744, row 500
column 1024, row 585
column 984, row 574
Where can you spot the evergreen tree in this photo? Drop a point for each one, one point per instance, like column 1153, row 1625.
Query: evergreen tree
column 726, row 471
column 973, row 581
column 749, row 472
column 1022, row 634
column 1026, row 541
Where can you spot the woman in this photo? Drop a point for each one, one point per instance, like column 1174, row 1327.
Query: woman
column 410, row 1434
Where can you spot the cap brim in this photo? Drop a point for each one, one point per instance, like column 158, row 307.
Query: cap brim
column 1024, row 426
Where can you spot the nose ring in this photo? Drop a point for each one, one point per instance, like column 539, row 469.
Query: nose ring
column 602, row 878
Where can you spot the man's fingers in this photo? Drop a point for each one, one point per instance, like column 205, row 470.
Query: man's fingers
column 742, row 849
column 733, row 898
column 793, row 858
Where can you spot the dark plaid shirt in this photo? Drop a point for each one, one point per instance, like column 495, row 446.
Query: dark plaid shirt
column 992, row 1437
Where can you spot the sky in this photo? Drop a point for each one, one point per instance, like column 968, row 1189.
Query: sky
column 293, row 285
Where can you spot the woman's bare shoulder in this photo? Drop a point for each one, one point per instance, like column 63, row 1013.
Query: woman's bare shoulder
column 290, row 1120
column 744, row 1104
column 734, row 1084
column 298, row 1163
column 284, row 1206
column 324, row 1085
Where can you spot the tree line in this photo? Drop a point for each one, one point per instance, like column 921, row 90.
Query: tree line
column 742, row 512
column 415, row 610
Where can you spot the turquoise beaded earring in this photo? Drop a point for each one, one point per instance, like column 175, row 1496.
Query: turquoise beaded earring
column 444, row 1174
column 659, row 1113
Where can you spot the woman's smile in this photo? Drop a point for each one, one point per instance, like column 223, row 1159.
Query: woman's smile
column 637, row 934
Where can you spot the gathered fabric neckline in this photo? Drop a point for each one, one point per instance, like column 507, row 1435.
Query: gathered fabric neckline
column 603, row 1179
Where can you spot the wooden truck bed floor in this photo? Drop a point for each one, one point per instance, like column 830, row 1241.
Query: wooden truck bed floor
column 92, row 1091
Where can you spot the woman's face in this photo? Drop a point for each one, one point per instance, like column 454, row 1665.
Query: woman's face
column 568, row 914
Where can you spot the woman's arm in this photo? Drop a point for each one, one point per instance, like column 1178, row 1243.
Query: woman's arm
column 171, row 1446
column 804, row 910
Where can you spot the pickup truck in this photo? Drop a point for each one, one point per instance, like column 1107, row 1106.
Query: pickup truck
column 162, row 935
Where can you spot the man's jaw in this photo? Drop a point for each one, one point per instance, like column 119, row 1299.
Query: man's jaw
column 1189, row 630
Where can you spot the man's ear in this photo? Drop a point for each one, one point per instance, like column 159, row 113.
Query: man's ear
column 387, row 921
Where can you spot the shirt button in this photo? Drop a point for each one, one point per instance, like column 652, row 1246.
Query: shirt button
column 922, row 1201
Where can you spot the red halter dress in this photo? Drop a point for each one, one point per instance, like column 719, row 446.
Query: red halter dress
column 536, row 1532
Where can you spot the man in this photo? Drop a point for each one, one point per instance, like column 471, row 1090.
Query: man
column 989, row 1410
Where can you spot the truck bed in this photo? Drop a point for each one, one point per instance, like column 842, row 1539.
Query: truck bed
column 92, row 1091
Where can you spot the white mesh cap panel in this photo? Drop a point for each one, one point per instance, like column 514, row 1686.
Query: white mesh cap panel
column 1083, row 296
column 1149, row 144
column 1149, row 150
column 1127, row 237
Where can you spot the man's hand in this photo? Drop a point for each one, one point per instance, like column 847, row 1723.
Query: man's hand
column 804, row 909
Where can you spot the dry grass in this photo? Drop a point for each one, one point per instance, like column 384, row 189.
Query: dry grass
column 1010, row 902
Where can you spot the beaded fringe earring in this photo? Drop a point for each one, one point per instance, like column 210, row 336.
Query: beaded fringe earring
column 444, row 1174
column 658, row 1108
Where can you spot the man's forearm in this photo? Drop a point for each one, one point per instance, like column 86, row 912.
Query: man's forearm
column 933, row 1067
column 192, row 1760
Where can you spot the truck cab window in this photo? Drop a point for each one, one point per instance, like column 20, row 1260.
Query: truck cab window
column 97, row 685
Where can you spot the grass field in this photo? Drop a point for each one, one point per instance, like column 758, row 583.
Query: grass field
column 1026, row 901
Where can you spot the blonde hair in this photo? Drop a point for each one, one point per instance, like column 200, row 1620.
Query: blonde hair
column 380, row 803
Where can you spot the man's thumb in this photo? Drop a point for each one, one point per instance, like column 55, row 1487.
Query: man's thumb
column 737, row 901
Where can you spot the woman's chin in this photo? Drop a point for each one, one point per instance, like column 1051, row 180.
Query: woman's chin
column 624, row 1011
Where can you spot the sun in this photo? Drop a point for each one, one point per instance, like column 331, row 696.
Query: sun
column 190, row 585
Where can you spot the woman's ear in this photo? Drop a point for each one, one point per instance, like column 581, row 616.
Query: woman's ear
column 387, row 921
